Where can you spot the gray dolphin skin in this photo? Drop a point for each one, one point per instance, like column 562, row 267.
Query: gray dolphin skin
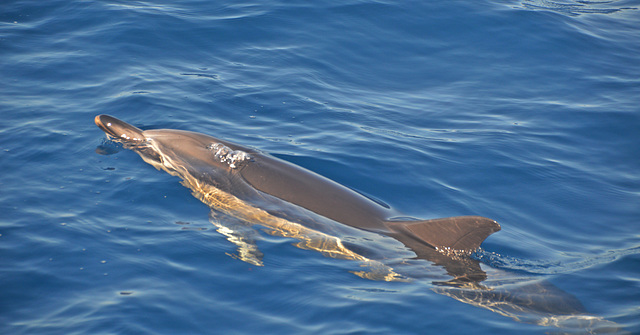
column 252, row 187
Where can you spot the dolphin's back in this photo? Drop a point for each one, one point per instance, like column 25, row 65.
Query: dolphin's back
column 314, row 192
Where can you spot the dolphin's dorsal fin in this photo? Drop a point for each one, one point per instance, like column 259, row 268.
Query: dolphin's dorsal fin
column 464, row 233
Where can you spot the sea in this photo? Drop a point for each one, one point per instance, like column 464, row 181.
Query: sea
column 523, row 111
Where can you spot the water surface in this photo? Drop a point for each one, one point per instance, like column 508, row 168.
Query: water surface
column 526, row 112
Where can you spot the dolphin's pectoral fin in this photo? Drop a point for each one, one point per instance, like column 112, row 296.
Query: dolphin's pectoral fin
column 460, row 233
column 242, row 235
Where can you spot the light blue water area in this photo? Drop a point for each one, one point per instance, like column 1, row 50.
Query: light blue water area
column 527, row 112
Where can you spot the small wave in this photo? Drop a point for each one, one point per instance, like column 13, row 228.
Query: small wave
column 551, row 267
column 575, row 7
column 108, row 147
column 439, row 135
column 202, row 75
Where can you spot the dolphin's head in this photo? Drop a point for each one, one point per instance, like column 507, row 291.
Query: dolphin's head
column 124, row 132
column 181, row 151
column 197, row 158
column 129, row 136
column 196, row 150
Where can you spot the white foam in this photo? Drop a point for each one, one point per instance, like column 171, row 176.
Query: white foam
column 226, row 155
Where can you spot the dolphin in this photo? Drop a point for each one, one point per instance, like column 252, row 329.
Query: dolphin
column 255, row 187
column 240, row 171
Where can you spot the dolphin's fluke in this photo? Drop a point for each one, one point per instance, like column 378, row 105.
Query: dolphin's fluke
column 460, row 233
column 119, row 129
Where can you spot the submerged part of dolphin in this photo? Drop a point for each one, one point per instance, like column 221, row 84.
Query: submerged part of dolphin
column 247, row 187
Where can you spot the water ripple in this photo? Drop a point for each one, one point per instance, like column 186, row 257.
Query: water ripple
column 553, row 267
column 576, row 7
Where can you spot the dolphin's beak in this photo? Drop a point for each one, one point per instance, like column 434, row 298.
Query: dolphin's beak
column 119, row 129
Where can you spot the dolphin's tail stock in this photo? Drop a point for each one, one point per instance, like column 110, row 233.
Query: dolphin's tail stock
column 447, row 235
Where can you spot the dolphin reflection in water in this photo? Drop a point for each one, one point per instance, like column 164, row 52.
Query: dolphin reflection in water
column 245, row 187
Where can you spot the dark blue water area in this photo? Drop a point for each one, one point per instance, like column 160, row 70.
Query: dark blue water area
column 526, row 112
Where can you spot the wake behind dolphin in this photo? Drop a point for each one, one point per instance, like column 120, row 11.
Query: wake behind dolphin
column 248, row 187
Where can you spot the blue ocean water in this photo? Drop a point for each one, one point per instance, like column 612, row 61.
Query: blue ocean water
column 527, row 112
